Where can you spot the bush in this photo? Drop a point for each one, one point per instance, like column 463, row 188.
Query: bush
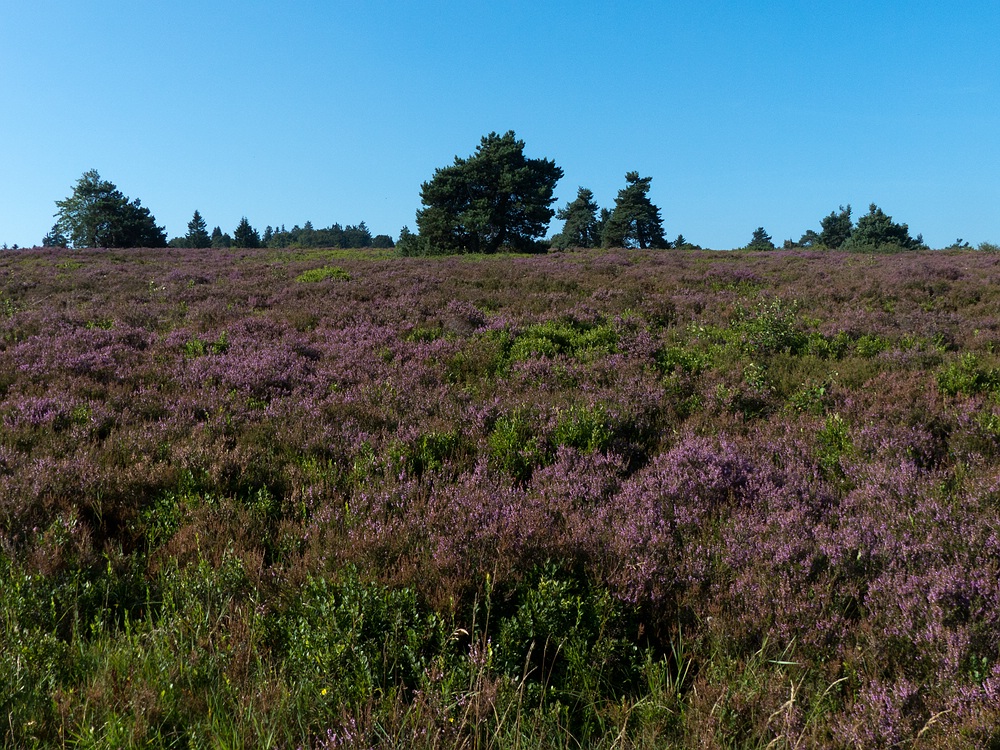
column 314, row 275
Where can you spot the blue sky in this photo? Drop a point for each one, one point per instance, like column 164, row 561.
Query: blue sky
column 744, row 113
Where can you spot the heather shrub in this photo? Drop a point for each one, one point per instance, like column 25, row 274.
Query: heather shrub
column 600, row 498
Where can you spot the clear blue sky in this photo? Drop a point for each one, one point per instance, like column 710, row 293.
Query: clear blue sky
column 744, row 113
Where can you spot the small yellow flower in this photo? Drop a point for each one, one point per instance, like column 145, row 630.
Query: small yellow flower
column 323, row 691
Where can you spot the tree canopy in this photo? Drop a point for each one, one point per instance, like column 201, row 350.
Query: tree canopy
column 876, row 229
column 494, row 199
column 582, row 227
column 97, row 214
column 635, row 221
column 836, row 228
column 760, row 240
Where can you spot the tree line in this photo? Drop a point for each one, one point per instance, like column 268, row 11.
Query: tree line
column 496, row 199
column 98, row 214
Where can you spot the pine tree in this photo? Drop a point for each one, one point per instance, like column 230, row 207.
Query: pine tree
column 876, row 230
column 495, row 198
column 836, row 228
column 581, row 227
column 635, row 221
column 245, row 235
column 98, row 215
column 197, row 233
column 761, row 240
column 221, row 240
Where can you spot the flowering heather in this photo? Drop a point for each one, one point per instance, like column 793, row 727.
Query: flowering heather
column 620, row 498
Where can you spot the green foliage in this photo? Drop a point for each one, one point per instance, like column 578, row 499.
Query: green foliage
column 8, row 308
column 635, row 221
column 343, row 237
column 55, row 237
column 425, row 333
column 97, row 214
column 833, row 444
column 582, row 228
column 555, row 337
column 428, row 452
column 196, row 347
column 836, row 229
column 346, row 641
column 314, row 275
column 245, row 235
column 221, row 240
column 197, row 234
column 493, row 199
column 869, row 345
column 682, row 359
column 876, row 231
column 483, row 356
column 811, row 397
column 761, row 240
column 769, row 326
column 567, row 641
column 966, row 376
column 513, row 447
column 586, row 428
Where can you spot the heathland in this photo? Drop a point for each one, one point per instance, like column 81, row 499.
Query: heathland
column 339, row 499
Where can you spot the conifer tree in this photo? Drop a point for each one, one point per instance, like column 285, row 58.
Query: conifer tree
column 635, row 221
column 877, row 230
column 493, row 199
column 98, row 215
column 581, row 227
column 836, row 228
column 221, row 240
column 760, row 240
column 197, row 233
column 245, row 235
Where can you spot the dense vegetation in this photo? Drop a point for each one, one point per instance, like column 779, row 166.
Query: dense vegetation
column 338, row 499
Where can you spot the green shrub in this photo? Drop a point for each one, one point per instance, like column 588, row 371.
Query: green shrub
column 869, row 345
column 833, row 444
column 769, row 326
column 688, row 361
column 967, row 376
column 568, row 642
column 196, row 347
column 314, row 275
column 552, row 338
column 345, row 641
column 429, row 452
column 585, row 428
column 513, row 447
